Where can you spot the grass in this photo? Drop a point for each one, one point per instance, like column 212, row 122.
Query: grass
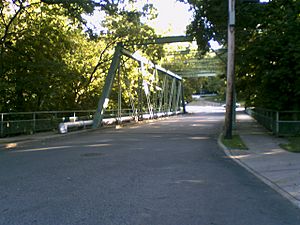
column 235, row 143
column 293, row 145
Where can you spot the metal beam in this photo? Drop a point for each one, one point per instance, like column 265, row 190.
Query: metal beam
column 136, row 57
column 163, row 40
column 144, row 60
column 197, row 74
column 103, row 101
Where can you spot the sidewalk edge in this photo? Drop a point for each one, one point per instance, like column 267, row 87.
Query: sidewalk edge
column 271, row 184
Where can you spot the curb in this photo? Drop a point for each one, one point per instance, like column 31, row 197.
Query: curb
column 264, row 179
column 13, row 144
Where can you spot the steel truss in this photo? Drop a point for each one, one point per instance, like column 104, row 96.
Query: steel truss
column 160, row 95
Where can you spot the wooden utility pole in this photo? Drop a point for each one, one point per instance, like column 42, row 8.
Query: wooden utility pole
column 230, row 107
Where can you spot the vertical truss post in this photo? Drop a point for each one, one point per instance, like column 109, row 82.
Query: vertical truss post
column 174, row 97
column 178, row 95
column 171, row 95
column 161, row 97
column 166, row 90
column 103, row 101
column 134, row 112
column 147, row 94
column 155, row 99
column 155, row 94
column 182, row 97
column 119, row 119
column 140, row 93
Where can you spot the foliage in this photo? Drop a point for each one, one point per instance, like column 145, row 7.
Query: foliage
column 48, row 61
column 234, row 143
column 267, row 48
column 210, row 22
column 269, row 61
column 41, row 66
column 293, row 145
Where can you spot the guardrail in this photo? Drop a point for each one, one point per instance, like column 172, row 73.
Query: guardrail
column 32, row 122
column 281, row 123
column 12, row 124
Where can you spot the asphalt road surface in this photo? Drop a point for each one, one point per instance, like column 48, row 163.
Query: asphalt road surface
column 168, row 172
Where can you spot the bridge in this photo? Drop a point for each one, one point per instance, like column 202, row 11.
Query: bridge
column 152, row 91
column 162, row 88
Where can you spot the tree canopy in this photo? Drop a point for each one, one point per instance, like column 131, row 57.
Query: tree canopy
column 267, row 47
column 48, row 60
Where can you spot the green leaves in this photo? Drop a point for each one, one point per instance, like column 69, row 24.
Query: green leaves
column 48, row 61
column 267, row 48
column 272, row 55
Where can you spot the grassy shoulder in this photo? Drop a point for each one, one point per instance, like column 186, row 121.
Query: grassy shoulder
column 235, row 143
column 293, row 145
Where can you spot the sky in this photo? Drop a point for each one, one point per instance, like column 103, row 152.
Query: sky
column 173, row 17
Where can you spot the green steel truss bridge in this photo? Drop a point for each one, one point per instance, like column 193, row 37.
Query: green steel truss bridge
column 157, row 91
column 190, row 64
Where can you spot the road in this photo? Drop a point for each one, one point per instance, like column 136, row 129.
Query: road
column 167, row 172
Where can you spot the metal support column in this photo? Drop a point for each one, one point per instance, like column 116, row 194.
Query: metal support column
column 140, row 93
column 171, row 95
column 161, row 98
column 34, row 122
column 174, row 98
column 178, row 95
column 103, row 101
column 166, row 91
column 119, row 116
column 182, row 98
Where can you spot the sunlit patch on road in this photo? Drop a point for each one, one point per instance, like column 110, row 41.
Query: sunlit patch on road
column 43, row 149
column 199, row 138
column 207, row 109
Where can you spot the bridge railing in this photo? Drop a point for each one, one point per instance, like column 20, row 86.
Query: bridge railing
column 12, row 124
column 32, row 122
column 281, row 123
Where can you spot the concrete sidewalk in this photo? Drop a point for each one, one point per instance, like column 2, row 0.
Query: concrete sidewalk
column 276, row 167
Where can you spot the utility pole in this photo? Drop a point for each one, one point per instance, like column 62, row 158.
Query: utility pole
column 230, row 107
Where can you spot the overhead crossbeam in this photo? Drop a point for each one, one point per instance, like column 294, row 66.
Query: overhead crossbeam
column 163, row 40
column 197, row 74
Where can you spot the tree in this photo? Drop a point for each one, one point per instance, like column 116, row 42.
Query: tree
column 42, row 55
column 32, row 59
column 267, row 48
column 269, row 61
column 48, row 61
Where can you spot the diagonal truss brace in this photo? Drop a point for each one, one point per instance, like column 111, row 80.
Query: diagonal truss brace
column 119, row 51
